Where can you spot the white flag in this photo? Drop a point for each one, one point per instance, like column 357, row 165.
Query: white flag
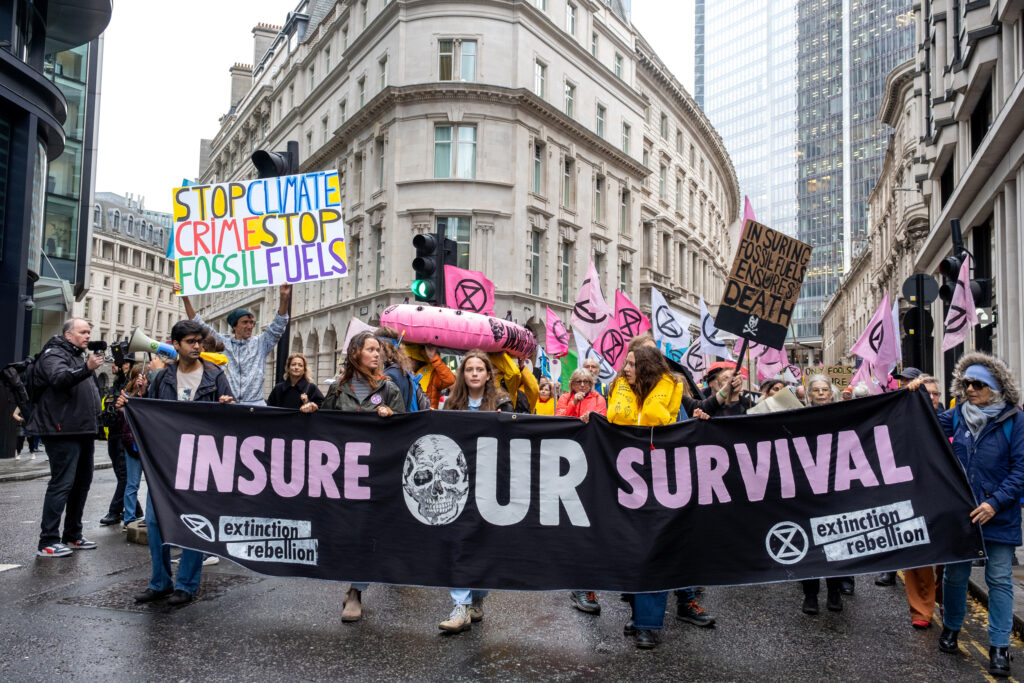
column 671, row 328
column 584, row 351
column 710, row 345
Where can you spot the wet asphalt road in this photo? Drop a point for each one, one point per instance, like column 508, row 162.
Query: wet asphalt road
column 73, row 619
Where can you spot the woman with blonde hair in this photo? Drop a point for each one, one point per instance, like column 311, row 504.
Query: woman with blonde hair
column 296, row 391
column 546, row 401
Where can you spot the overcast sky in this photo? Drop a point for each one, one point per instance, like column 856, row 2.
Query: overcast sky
column 165, row 81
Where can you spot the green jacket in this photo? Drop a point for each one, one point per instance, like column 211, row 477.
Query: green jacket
column 341, row 397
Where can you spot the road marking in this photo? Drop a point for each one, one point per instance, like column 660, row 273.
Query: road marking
column 5, row 567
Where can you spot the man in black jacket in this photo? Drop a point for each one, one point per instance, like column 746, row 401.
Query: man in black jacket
column 188, row 379
column 66, row 417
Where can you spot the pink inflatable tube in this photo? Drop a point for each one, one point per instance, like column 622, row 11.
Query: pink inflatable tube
column 463, row 330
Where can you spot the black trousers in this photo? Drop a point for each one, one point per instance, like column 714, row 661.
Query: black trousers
column 812, row 586
column 115, row 449
column 71, row 464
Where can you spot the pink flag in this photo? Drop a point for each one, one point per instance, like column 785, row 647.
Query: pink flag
column 963, row 314
column 748, row 210
column 628, row 317
column 879, row 344
column 591, row 315
column 863, row 374
column 771, row 363
column 557, row 338
column 468, row 290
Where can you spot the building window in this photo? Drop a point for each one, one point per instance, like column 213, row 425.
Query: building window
column 666, row 253
column 566, row 270
column 378, row 239
column 309, row 143
column 570, row 99
column 693, row 156
column 353, row 264
column 380, row 163
column 618, row 65
column 104, row 311
column 568, row 186
column 601, row 112
column 451, row 52
column 593, row 43
column 648, row 244
column 291, row 101
column 343, row 106
column 130, row 230
column 325, row 127
column 538, row 168
column 359, row 177
column 120, row 313
column 344, row 38
column 312, row 76
column 664, row 127
column 97, row 213
column 625, row 137
column 535, row 262
column 662, row 181
column 362, row 14
column 362, row 91
column 599, row 267
column 679, row 142
column 624, row 277
column 599, row 198
column 455, row 152
column 679, row 194
column 624, row 212
column 540, row 77
column 456, row 228
column 382, row 67
column 327, row 59
column 570, row 19
column 106, row 279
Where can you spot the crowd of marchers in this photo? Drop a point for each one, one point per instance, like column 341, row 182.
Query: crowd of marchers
column 381, row 374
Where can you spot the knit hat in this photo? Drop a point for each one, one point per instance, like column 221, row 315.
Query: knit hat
column 982, row 374
column 236, row 315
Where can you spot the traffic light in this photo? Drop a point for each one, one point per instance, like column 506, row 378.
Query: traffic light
column 949, row 269
column 912, row 322
column 981, row 290
column 428, row 268
column 274, row 164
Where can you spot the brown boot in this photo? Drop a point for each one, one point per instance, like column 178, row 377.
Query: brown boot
column 352, row 606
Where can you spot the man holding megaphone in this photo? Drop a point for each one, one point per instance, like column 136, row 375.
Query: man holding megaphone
column 247, row 354
column 67, row 418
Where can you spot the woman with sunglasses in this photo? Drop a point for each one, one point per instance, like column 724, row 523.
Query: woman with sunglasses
column 988, row 439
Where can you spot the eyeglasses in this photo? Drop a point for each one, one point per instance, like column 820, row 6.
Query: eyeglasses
column 975, row 384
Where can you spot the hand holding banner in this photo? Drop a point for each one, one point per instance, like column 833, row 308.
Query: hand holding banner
column 468, row 290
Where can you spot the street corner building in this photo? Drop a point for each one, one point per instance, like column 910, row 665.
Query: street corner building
column 539, row 136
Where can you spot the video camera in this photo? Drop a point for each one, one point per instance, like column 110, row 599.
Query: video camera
column 98, row 346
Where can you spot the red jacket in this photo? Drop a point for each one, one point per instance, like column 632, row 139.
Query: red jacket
column 593, row 402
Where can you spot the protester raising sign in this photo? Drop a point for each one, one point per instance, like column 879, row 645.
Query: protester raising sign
column 552, row 503
column 259, row 233
column 763, row 286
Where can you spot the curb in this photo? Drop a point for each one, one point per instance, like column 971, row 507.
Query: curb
column 977, row 588
column 37, row 474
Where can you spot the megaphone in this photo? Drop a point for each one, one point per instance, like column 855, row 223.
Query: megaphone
column 139, row 342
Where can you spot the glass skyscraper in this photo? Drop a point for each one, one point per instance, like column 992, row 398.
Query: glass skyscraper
column 749, row 83
column 794, row 88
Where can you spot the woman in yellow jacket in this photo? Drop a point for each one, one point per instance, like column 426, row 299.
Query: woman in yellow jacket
column 645, row 393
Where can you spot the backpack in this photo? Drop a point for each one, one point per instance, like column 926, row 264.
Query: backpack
column 23, row 381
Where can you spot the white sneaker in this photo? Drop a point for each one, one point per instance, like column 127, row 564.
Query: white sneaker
column 458, row 621
column 210, row 560
column 55, row 550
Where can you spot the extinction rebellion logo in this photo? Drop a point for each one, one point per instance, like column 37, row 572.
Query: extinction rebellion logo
column 262, row 539
column 849, row 535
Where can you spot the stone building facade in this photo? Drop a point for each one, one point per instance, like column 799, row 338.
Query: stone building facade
column 538, row 135
column 132, row 281
column 898, row 219
column 971, row 104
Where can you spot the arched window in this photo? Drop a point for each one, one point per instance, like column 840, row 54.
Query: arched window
column 97, row 213
column 117, row 221
column 131, row 225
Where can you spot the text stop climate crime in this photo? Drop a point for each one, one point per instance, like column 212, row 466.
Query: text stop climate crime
column 259, row 233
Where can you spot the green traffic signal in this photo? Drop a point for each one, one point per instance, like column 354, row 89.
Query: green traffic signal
column 423, row 289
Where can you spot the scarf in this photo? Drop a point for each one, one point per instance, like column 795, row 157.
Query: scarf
column 977, row 417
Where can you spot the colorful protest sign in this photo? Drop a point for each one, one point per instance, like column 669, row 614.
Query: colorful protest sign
column 879, row 344
column 556, row 336
column 764, row 284
column 547, row 504
column 590, row 314
column 468, row 290
column 963, row 315
column 839, row 375
column 259, row 233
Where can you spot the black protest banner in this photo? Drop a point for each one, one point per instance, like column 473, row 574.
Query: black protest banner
column 505, row 501
column 764, row 284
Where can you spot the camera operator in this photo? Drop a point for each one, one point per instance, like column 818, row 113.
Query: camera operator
column 66, row 417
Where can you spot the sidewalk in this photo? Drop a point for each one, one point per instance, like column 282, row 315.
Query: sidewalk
column 25, row 469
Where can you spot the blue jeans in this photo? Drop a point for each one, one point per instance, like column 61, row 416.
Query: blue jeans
column 188, row 570
column 360, row 586
column 649, row 610
column 998, row 577
column 133, row 468
column 464, row 596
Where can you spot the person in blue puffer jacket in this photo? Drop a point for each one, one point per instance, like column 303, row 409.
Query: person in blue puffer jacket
column 987, row 431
